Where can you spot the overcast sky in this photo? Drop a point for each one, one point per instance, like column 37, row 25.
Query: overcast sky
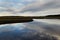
column 29, row 7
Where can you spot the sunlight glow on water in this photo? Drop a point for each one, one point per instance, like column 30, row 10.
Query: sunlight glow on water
column 50, row 21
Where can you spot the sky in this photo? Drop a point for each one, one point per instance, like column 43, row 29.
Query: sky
column 29, row 7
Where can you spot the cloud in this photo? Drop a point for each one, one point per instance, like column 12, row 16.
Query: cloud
column 41, row 13
column 36, row 6
column 12, row 6
column 30, row 7
column 42, row 7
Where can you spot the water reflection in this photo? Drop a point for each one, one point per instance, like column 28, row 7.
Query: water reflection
column 36, row 30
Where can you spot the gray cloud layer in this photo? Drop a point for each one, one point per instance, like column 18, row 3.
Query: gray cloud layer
column 37, row 6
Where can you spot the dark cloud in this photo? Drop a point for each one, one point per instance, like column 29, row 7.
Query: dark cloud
column 36, row 8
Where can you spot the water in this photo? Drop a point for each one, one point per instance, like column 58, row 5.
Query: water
column 37, row 30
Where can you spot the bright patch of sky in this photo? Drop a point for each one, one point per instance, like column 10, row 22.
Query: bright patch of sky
column 14, row 3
